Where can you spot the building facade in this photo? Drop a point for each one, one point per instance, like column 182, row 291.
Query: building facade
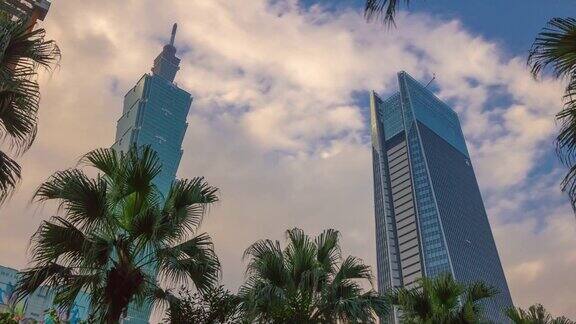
column 429, row 213
column 154, row 114
column 30, row 10
column 34, row 308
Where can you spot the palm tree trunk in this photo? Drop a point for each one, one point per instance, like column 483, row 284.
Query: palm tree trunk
column 114, row 313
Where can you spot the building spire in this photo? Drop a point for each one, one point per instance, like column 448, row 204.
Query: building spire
column 166, row 63
column 174, row 27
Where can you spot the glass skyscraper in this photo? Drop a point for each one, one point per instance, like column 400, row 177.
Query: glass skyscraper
column 430, row 217
column 154, row 114
column 34, row 307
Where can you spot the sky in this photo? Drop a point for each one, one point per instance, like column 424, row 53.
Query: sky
column 279, row 120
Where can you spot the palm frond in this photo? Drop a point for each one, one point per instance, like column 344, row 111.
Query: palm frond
column 267, row 261
column 301, row 258
column 19, row 101
column 384, row 10
column 68, row 291
column 142, row 166
column 477, row 291
column 31, row 279
column 83, row 199
column 353, row 268
column 566, row 139
column 194, row 259
column 160, row 298
column 361, row 308
column 21, row 51
column 185, row 207
column 562, row 320
column 144, row 227
column 328, row 253
column 9, row 176
column 555, row 47
column 446, row 292
column 516, row 315
column 106, row 160
column 535, row 314
column 58, row 239
column 28, row 45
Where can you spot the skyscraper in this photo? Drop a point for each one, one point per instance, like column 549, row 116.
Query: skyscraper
column 154, row 114
column 35, row 306
column 430, row 217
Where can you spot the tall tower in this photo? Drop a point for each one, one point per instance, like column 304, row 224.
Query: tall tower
column 154, row 114
column 430, row 217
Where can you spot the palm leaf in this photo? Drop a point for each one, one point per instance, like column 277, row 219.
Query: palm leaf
column 26, row 46
column 83, row 199
column 21, row 51
column 328, row 253
column 104, row 159
column 385, row 10
column 555, row 49
column 31, row 279
column 58, row 239
column 353, row 268
column 185, row 207
column 19, row 100
column 194, row 259
column 9, row 176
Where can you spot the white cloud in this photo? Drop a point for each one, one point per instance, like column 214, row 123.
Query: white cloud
column 275, row 124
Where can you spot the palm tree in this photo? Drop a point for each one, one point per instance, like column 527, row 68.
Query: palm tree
column 307, row 282
column 441, row 300
column 115, row 236
column 555, row 48
column 536, row 314
column 22, row 50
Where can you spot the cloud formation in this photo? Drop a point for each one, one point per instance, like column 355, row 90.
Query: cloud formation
column 277, row 124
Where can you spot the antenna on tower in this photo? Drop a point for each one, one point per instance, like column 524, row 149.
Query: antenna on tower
column 174, row 27
column 433, row 78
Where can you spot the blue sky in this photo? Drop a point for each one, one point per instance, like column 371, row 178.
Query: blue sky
column 514, row 23
column 285, row 138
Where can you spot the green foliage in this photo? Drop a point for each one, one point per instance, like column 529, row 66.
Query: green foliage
column 307, row 282
column 213, row 306
column 441, row 300
column 21, row 52
column 116, row 237
column 555, row 48
column 536, row 314
column 7, row 318
column 52, row 317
